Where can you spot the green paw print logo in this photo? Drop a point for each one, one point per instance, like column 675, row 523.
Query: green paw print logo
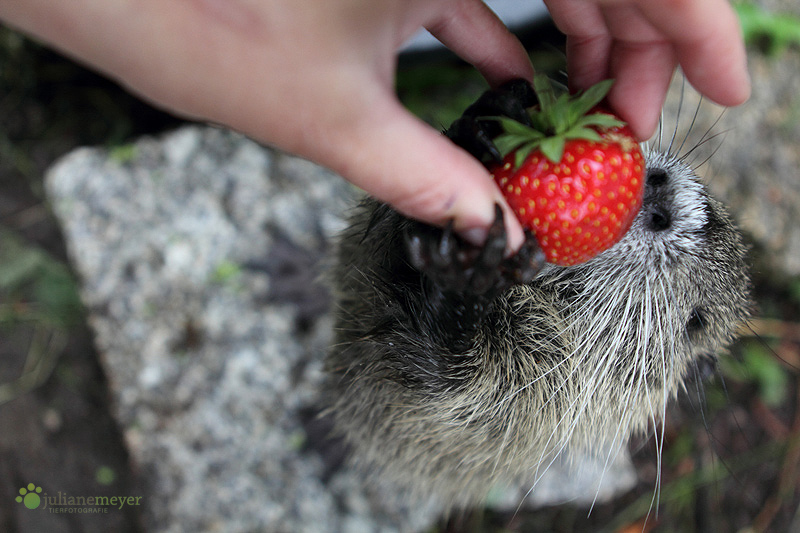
column 30, row 496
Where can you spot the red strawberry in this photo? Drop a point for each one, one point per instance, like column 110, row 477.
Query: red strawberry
column 575, row 178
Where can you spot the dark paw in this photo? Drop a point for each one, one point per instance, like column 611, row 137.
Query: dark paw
column 476, row 136
column 456, row 266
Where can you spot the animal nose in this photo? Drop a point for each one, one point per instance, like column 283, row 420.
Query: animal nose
column 656, row 178
column 657, row 215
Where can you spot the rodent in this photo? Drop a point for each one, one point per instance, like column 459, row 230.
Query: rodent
column 455, row 369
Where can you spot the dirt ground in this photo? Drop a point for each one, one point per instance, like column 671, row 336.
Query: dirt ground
column 731, row 457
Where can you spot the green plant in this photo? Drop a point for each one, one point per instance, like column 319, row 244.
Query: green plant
column 35, row 287
column 775, row 32
column 39, row 295
column 759, row 367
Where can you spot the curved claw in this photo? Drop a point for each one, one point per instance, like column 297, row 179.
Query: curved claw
column 527, row 262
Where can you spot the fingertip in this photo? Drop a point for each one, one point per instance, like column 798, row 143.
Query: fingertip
column 397, row 158
column 714, row 58
column 642, row 78
column 515, row 235
column 402, row 161
column 474, row 201
column 723, row 77
column 643, row 125
column 474, row 209
column 641, row 111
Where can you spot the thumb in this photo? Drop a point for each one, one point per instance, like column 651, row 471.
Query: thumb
column 404, row 162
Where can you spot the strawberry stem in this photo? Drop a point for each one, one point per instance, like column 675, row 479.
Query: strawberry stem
column 557, row 118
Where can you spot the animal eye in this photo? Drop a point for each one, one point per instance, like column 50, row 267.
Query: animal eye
column 696, row 322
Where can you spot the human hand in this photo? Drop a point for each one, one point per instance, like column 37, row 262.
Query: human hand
column 639, row 43
column 313, row 78
column 317, row 80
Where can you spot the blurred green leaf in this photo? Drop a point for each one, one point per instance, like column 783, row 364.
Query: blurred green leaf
column 759, row 367
column 124, row 153
column 17, row 264
column 774, row 31
column 679, row 449
column 226, row 273
column 105, row 475
column 31, row 280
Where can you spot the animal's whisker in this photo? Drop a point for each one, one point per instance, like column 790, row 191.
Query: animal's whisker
column 691, row 126
column 701, row 143
column 677, row 117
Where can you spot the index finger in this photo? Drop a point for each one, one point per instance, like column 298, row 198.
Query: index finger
column 705, row 37
column 638, row 42
column 473, row 32
column 708, row 44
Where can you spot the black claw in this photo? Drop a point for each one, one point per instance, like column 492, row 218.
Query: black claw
column 472, row 135
column 447, row 247
column 496, row 236
column 414, row 250
column 491, row 255
column 526, row 263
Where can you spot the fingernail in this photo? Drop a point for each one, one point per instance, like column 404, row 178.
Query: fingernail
column 475, row 236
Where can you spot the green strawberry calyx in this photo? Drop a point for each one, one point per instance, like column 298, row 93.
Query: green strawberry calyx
column 554, row 121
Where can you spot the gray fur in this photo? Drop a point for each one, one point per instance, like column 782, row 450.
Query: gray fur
column 580, row 358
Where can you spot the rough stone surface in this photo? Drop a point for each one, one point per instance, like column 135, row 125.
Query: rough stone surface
column 191, row 250
column 198, row 254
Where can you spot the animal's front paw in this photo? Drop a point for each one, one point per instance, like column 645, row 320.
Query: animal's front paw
column 476, row 135
column 454, row 265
